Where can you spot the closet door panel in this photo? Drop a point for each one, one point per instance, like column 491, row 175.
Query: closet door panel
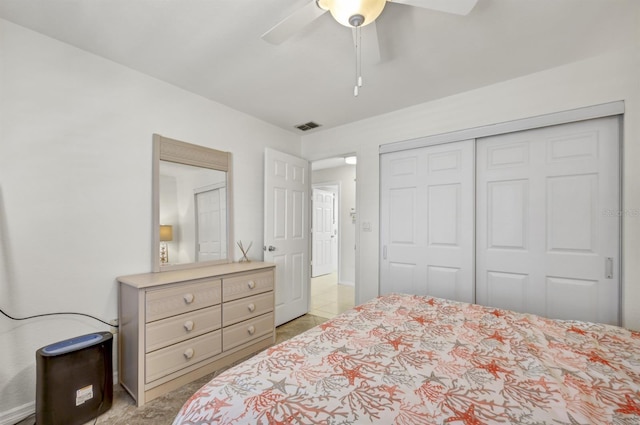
column 507, row 290
column 427, row 221
column 507, row 214
column 541, row 200
column 404, row 232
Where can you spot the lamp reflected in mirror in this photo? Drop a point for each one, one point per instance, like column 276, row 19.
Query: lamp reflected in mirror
column 166, row 235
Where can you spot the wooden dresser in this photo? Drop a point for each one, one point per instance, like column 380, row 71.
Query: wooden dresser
column 178, row 326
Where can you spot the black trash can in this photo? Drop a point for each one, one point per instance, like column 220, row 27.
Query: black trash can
column 74, row 379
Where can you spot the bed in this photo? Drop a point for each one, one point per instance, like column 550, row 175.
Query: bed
column 409, row 360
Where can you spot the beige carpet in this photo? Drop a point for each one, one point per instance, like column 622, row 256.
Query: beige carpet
column 162, row 410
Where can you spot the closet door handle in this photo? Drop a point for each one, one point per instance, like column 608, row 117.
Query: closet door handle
column 608, row 267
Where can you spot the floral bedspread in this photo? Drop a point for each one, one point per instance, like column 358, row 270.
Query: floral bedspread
column 410, row 360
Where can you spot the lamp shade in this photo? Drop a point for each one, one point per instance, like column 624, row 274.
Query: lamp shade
column 344, row 10
column 166, row 233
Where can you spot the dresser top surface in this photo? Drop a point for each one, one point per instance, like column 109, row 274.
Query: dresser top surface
column 145, row 280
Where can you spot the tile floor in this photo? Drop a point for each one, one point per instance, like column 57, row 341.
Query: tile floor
column 328, row 298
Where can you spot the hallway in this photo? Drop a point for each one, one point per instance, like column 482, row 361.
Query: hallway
column 328, row 299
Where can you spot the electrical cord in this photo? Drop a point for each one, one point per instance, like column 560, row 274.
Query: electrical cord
column 57, row 314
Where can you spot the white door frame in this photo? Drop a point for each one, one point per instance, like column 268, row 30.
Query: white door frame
column 341, row 223
column 564, row 117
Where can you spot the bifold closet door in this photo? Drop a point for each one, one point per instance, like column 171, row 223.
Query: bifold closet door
column 548, row 232
column 427, row 221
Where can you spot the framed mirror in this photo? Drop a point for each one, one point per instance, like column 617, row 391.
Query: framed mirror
column 192, row 205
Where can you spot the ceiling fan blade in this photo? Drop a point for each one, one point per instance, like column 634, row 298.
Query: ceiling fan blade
column 370, row 44
column 457, row 7
column 293, row 23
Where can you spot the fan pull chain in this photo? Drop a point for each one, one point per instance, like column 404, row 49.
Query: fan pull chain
column 356, row 88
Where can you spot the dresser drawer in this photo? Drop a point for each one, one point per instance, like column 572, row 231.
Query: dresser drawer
column 248, row 284
column 178, row 299
column 173, row 358
column 243, row 332
column 165, row 332
column 246, row 308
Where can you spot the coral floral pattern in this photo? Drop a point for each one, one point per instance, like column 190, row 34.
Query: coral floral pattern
column 411, row 360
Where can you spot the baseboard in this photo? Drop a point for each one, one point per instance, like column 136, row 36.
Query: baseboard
column 17, row 414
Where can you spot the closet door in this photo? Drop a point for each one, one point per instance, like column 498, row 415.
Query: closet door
column 548, row 232
column 427, row 221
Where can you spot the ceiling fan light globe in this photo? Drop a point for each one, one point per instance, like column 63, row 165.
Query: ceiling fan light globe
column 344, row 10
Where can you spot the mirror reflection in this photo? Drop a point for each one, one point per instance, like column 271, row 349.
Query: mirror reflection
column 192, row 205
column 192, row 212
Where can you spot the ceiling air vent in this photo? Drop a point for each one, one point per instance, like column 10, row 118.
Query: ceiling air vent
column 307, row 126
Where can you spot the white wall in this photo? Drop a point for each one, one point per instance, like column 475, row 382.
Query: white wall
column 345, row 177
column 75, row 188
column 603, row 79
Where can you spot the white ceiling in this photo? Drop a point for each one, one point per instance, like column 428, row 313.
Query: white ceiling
column 213, row 48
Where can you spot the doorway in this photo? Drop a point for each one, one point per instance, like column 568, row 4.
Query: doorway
column 332, row 237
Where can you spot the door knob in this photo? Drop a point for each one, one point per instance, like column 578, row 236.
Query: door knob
column 272, row 248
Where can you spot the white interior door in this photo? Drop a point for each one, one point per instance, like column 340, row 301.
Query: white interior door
column 286, row 238
column 545, row 243
column 324, row 244
column 427, row 221
column 211, row 230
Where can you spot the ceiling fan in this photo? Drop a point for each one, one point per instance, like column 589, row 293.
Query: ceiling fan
column 356, row 14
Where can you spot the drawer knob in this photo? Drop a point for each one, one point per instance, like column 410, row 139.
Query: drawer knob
column 188, row 325
column 251, row 330
column 251, row 307
column 188, row 353
column 188, row 298
column 251, row 284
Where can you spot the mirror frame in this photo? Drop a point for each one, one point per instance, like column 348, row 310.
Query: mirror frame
column 165, row 149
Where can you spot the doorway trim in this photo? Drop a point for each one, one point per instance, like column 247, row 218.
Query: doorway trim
column 555, row 118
